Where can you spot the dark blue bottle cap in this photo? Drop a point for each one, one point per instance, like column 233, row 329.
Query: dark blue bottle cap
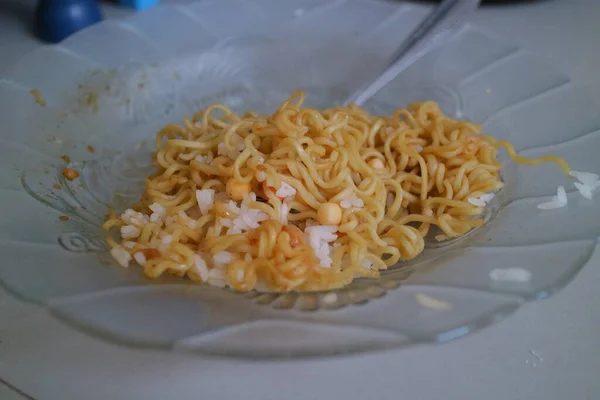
column 57, row 19
column 138, row 4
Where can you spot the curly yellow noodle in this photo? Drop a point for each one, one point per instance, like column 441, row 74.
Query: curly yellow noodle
column 406, row 176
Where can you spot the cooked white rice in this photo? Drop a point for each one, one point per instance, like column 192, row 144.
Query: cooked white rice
column 130, row 216
column 245, row 218
column 217, row 273
column 285, row 210
column 222, row 258
column 205, row 199
column 482, row 200
column 130, row 232
column 367, row 264
column 319, row 237
column 158, row 211
column 204, row 159
column 286, row 191
column 121, row 255
column 129, row 245
column 487, row 197
column 584, row 190
column 351, row 200
column 558, row 201
column 201, row 267
column 261, row 176
column 217, row 276
column 140, row 258
column 586, row 178
column 238, row 147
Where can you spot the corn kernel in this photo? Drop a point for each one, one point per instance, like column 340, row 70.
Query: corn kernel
column 329, row 214
column 236, row 189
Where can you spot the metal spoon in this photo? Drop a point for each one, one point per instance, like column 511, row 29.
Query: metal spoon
column 435, row 29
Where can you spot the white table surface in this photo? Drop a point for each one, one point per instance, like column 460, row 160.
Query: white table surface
column 547, row 350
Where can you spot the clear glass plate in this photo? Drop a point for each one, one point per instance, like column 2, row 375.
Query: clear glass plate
column 108, row 89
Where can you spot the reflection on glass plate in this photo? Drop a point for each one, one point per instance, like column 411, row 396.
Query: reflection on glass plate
column 115, row 84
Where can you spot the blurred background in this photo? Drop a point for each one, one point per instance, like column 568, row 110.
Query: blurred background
column 20, row 31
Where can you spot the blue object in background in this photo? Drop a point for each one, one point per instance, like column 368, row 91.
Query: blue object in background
column 138, row 4
column 57, row 19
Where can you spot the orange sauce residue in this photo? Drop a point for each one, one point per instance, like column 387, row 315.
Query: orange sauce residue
column 38, row 97
column 150, row 253
column 70, row 174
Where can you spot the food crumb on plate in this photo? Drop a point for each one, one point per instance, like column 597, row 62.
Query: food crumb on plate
column 66, row 158
column 38, row 97
column 70, row 174
column 63, row 218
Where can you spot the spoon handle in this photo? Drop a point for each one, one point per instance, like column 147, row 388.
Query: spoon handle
column 434, row 30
